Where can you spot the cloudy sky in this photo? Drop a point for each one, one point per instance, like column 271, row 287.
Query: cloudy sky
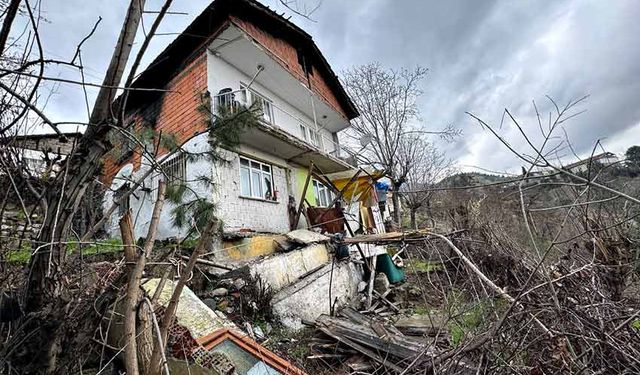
column 483, row 57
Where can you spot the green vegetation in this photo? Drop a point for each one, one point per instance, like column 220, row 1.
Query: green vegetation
column 107, row 246
column 468, row 321
column 423, row 266
column 421, row 310
column 23, row 255
column 19, row 256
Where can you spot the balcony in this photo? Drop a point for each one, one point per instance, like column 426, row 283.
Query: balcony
column 307, row 144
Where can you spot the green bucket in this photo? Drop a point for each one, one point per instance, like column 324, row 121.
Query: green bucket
column 385, row 265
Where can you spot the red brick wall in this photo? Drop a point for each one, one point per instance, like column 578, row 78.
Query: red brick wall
column 287, row 56
column 175, row 112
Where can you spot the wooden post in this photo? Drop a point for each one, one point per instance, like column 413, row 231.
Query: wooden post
column 372, row 277
column 304, row 193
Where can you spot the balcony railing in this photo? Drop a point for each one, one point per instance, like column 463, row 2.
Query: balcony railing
column 274, row 116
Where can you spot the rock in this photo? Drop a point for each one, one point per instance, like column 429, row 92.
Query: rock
column 239, row 284
column 219, row 292
column 258, row 332
column 211, row 303
column 224, row 283
column 381, row 284
column 303, row 236
column 362, row 285
column 222, row 305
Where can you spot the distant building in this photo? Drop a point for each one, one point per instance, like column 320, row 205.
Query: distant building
column 603, row 159
column 41, row 154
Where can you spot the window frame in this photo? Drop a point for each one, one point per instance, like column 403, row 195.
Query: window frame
column 311, row 136
column 315, row 138
column 305, row 131
column 252, row 168
column 179, row 160
column 324, row 195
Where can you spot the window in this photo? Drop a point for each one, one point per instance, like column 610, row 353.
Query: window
column 250, row 97
column 304, row 63
column 256, row 180
column 175, row 170
column 304, row 132
column 315, row 138
column 324, row 196
column 310, row 135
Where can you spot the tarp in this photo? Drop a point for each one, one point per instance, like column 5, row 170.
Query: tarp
column 360, row 190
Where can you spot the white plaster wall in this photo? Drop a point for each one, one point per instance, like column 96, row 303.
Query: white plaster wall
column 222, row 75
column 236, row 212
column 143, row 199
column 245, row 213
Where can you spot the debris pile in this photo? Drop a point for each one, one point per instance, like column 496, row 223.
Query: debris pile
column 350, row 336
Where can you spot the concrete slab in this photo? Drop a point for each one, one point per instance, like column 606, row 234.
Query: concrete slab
column 283, row 269
column 309, row 298
column 305, row 236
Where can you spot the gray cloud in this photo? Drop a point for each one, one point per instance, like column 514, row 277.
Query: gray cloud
column 483, row 56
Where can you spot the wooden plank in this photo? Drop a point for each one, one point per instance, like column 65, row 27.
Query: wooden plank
column 383, row 361
column 399, row 346
column 353, row 315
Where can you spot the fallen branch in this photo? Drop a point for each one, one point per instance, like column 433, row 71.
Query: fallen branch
column 488, row 281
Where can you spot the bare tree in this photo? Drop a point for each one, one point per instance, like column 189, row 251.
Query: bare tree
column 388, row 124
column 430, row 165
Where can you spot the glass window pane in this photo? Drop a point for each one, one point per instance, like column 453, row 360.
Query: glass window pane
column 244, row 162
column 303, row 132
column 327, row 197
column 268, row 187
column 255, row 165
column 323, row 200
column 266, row 168
column 243, row 96
column 316, row 192
column 256, row 185
column 266, row 107
column 245, row 184
column 314, row 137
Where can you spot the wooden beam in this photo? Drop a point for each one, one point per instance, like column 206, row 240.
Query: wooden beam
column 302, row 198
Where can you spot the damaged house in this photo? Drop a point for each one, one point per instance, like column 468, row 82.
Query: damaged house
column 286, row 174
column 240, row 52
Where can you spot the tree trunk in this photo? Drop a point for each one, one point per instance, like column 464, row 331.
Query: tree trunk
column 205, row 242
column 81, row 168
column 135, row 276
column 412, row 213
column 9, row 16
column 397, row 214
column 45, row 283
